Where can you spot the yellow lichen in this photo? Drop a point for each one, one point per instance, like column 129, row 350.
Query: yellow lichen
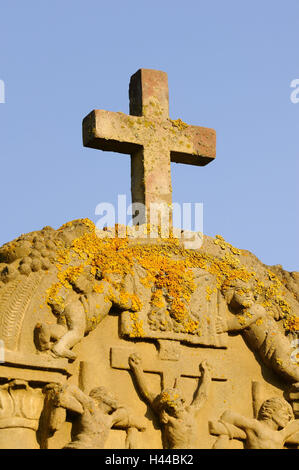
column 137, row 326
column 168, row 272
column 179, row 124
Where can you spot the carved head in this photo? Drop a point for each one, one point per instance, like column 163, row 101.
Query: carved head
column 238, row 294
column 276, row 409
column 84, row 282
column 169, row 403
column 104, row 399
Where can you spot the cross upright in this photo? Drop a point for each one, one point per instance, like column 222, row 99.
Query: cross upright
column 151, row 138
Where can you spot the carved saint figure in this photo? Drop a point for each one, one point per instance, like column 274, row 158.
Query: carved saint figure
column 274, row 426
column 94, row 415
column 178, row 420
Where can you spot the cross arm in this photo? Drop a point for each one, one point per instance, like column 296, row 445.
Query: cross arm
column 192, row 145
column 110, row 131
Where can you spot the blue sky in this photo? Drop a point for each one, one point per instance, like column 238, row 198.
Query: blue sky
column 230, row 65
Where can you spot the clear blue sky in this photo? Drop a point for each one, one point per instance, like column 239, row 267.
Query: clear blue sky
column 229, row 63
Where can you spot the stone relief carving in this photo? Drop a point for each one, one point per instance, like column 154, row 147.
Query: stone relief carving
column 259, row 329
column 83, row 309
column 71, row 279
column 272, row 428
column 181, row 305
column 93, row 416
column 20, row 405
column 177, row 420
column 293, row 397
column 20, row 410
column 197, row 305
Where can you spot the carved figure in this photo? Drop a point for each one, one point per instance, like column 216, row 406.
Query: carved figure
column 83, row 310
column 259, row 329
column 178, row 421
column 94, row 415
column 274, row 426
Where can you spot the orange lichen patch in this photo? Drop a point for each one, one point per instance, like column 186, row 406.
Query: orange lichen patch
column 241, row 319
column 137, row 326
column 191, row 326
column 170, row 278
column 271, row 294
column 106, row 254
column 136, row 303
column 157, row 299
column 227, row 271
column 168, row 272
column 168, row 399
column 52, row 297
column 62, row 256
column 291, row 323
column 98, row 288
column 209, row 292
column 219, row 240
column 69, row 276
column 179, row 124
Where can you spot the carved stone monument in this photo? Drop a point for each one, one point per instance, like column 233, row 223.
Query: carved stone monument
column 128, row 342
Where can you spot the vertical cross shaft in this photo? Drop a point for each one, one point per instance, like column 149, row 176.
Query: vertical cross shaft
column 150, row 165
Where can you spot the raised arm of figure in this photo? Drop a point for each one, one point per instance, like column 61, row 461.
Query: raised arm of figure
column 202, row 391
column 239, row 420
column 135, row 364
column 73, row 399
column 219, row 428
column 246, row 318
column 290, row 429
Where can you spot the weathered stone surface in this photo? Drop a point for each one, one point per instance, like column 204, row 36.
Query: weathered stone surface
column 90, row 310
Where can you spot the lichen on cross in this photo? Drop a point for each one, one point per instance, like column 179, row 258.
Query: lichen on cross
column 151, row 138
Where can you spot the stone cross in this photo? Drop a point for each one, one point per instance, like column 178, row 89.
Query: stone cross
column 151, row 138
column 170, row 363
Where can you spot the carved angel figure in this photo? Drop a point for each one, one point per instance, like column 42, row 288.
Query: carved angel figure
column 83, row 310
column 259, row 329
